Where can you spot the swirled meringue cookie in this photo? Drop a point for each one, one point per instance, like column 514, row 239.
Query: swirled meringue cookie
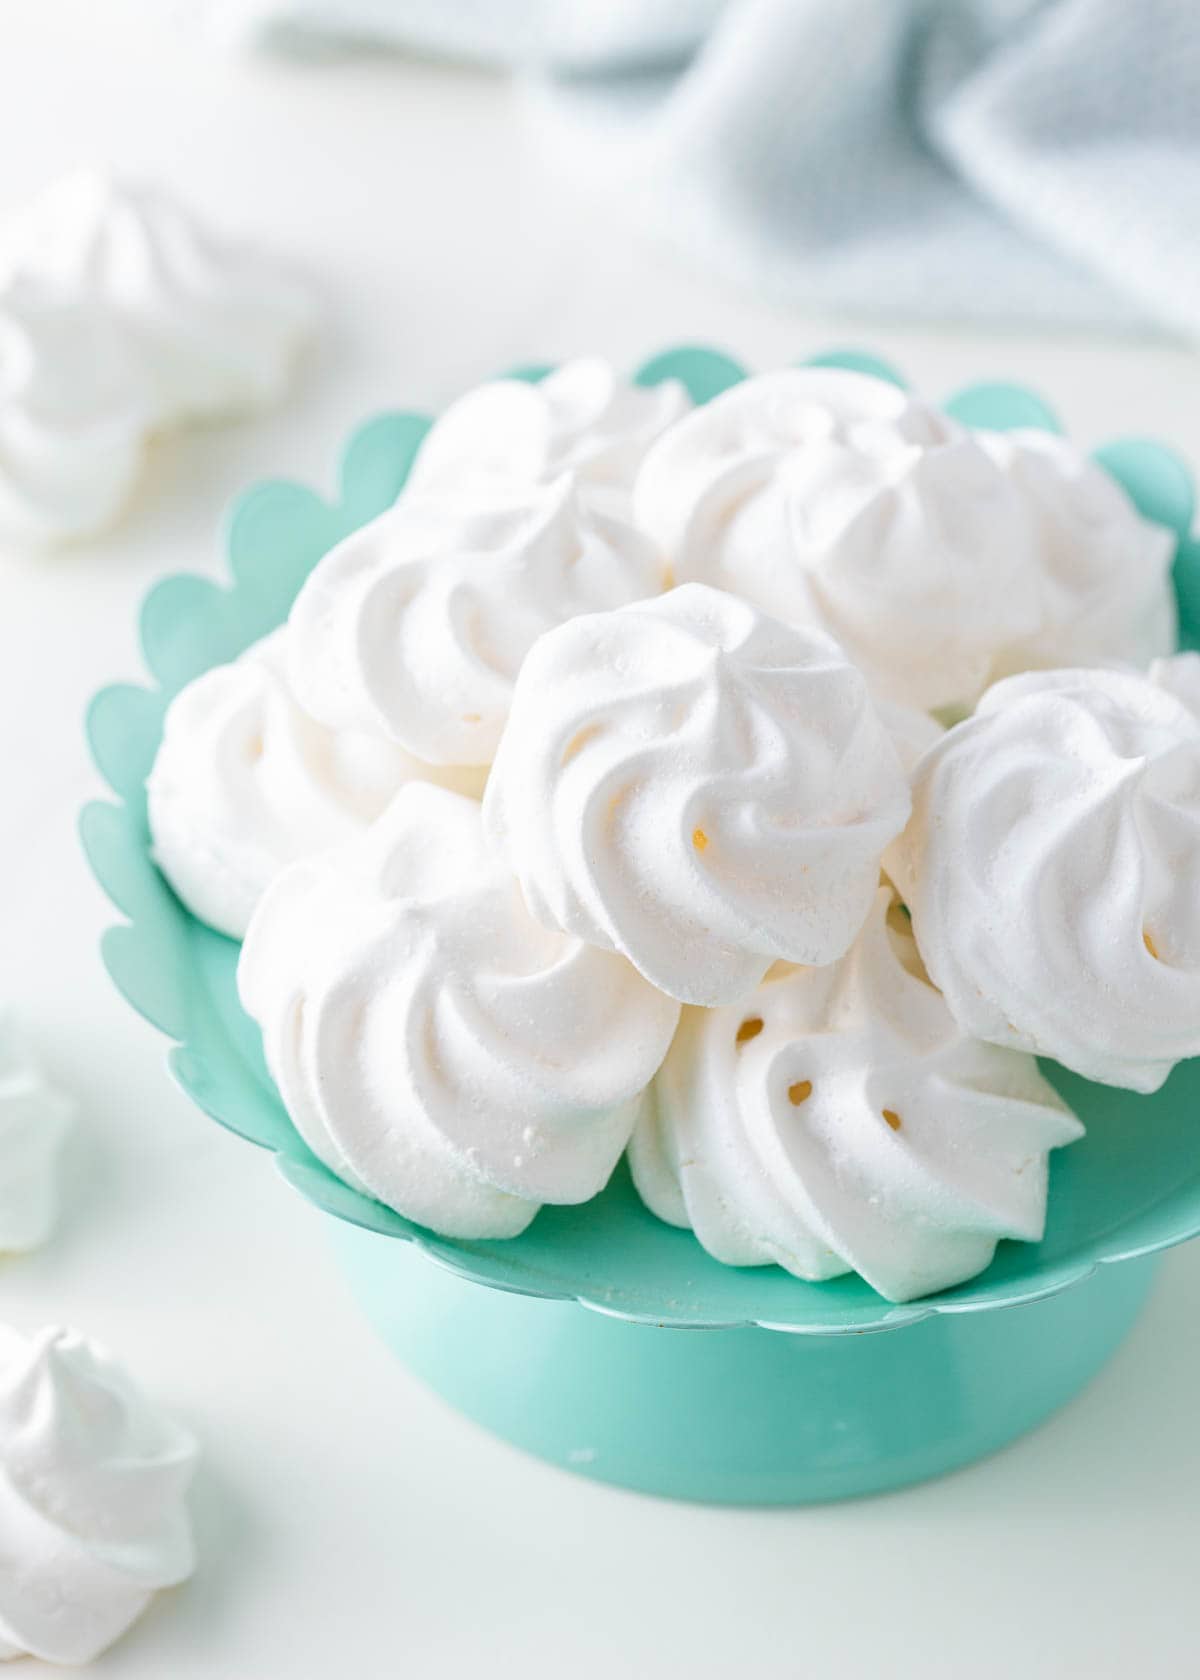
column 834, row 499
column 34, row 1122
column 435, row 1046
column 120, row 317
column 583, row 418
column 697, row 786
column 213, row 328
column 93, row 1480
column 839, row 1120
column 416, row 625
column 245, row 782
column 1051, row 867
column 1104, row 572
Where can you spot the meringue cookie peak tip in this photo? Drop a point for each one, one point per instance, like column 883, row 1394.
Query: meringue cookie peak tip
column 698, row 786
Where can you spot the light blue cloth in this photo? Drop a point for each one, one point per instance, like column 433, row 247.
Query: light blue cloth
column 1023, row 159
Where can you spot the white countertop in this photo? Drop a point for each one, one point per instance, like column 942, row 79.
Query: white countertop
column 349, row 1524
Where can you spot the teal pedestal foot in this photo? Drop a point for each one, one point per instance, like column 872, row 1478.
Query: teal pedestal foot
column 740, row 1416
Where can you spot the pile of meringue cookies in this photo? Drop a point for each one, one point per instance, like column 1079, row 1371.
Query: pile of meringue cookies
column 757, row 787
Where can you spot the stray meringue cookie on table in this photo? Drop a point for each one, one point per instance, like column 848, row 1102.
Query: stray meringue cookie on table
column 1052, row 868
column 120, row 317
column 93, row 1514
column 35, row 1120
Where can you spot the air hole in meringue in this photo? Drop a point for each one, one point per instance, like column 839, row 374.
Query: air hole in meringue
column 1148, row 942
column 750, row 1028
column 799, row 1092
column 699, row 839
column 892, row 1118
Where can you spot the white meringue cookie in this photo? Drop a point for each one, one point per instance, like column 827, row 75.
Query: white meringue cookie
column 34, row 1122
column 697, row 786
column 119, row 317
column 416, row 625
column 1104, row 571
column 245, row 783
column 213, row 328
column 93, row 1479
column 436, row 1047
column 1052, row 867
column 838, row 1120
column 833, row 498
column 582, row 418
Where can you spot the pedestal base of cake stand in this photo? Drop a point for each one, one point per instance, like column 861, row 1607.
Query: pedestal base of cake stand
column 739, row 1416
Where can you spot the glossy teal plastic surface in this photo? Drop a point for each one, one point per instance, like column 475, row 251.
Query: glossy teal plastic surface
column 740, row 1417
column 1130, row 1189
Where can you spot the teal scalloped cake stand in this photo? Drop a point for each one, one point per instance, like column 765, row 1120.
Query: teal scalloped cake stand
column 601, row 1339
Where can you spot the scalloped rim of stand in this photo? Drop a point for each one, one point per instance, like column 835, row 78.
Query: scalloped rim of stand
column 172, row 970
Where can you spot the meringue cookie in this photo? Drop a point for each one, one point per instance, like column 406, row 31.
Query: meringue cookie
column 417, row 624
column 245, row 783
column 93, row 1481
column 1052, row 867
column 1104, row 571
column 119, row 316
column 436, row 1047
column 832, row 498
column 696, row 785
column 839, row 1120
column 34, row 1122
column 582, row 418
column 212, row 327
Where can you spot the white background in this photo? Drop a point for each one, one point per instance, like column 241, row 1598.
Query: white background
column 350, row 1525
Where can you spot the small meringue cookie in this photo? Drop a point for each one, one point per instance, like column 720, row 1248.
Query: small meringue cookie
column 1052, row 868
column 245, row 783
column 120, row 316
column 697, row 786
column 582, row 418
column 839, row 1120
column 211, row 327
column 436, row 1047
column 93, row 1480
column 416, row 625
column 1104, row 571
column 34, row 1122
column 834, row 499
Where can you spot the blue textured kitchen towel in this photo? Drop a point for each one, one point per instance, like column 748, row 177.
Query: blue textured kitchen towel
column 1029, row 159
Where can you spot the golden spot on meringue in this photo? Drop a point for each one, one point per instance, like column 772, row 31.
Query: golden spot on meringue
column 799, row 1092
column 892, row 1118
column 699, row 839
column 750, row 1028
column 1150, row 945
column 472, row 717
column 254, row 749
column 577, row 742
